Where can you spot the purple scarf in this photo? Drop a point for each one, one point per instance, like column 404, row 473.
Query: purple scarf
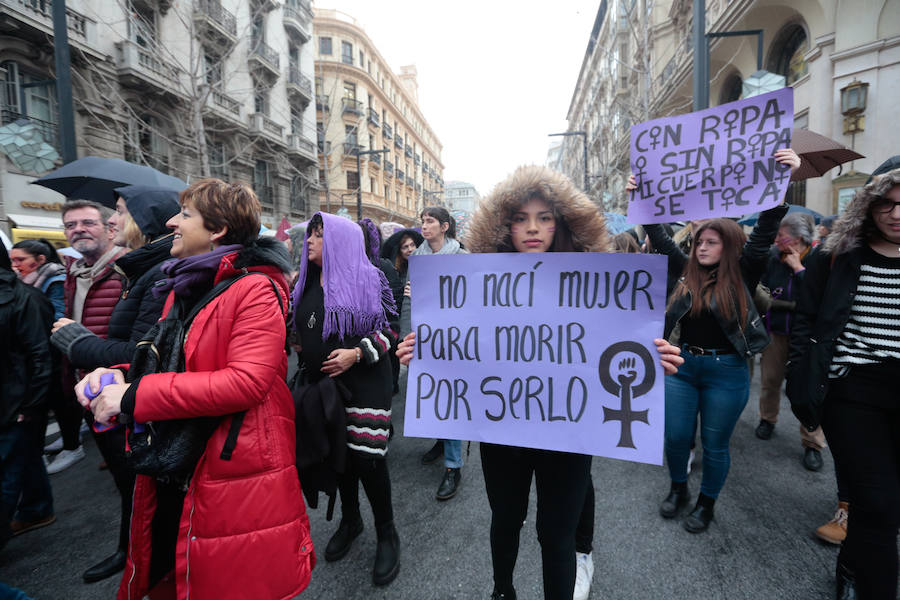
column 192, row 274
column 357, row 294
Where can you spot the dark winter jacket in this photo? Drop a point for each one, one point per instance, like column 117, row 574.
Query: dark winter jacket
column 825, row 301
column 25, row 362
column 784, row 285
column 749, row 337
column 135, row 313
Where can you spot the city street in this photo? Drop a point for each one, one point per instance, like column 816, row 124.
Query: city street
column 760, row 545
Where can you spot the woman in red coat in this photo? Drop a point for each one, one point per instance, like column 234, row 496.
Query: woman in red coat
column 238, row 527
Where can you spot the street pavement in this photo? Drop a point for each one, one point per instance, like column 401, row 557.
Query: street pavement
column 761, row 544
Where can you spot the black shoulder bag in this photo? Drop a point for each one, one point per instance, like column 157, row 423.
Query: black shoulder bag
column 172, row 448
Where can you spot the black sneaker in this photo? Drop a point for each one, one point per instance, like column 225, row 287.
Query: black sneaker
column 435, row 453
column 812, row 459
column 449, row 484
column 764, row 429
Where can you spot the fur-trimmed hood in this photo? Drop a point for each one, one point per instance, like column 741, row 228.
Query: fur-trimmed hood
column 489, row 228
column 855, row 225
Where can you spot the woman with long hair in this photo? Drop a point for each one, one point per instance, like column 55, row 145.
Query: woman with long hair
column 537, row 210
column 844, row 360
column 439, row 235
column 139, row 224
column 719, row 329
column 230, row 524
column 37, row 263
column 341, row 307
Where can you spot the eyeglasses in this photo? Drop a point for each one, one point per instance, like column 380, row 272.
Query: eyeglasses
column 884, row 205
column 70, row 225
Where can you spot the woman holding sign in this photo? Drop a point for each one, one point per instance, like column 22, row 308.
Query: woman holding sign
column 537, row 210
column 718, row 330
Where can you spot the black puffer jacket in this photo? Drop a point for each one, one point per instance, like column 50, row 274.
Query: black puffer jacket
column 750, row 338
column 25, row 362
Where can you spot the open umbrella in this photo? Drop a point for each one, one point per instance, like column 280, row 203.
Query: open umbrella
column 818, row 154
column 95, row 178
column 750, row 220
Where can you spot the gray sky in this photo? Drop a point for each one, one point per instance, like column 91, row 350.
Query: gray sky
column 495, row 76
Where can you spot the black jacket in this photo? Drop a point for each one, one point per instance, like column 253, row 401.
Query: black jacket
column 136, row 312
column 784, row 286
column 25, row 362
column 751, row 338
column 823, row 309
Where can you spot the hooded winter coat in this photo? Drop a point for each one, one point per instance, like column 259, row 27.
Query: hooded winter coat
column 137, row 308
column 243, row 528
column 823, row 307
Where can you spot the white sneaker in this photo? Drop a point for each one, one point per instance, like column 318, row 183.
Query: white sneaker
column 54, row 446
column 65, row 459
column 584, row 575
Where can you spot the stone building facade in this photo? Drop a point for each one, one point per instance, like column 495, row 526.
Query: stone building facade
column 639, row 65
column 362, row 105
column 193, row 88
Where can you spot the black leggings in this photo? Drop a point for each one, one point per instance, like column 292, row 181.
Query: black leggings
column 584, row 534
column 373, row 472
column 862, row 424
column 561, row 480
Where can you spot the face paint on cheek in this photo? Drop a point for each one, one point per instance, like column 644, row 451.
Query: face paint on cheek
column 551, row 230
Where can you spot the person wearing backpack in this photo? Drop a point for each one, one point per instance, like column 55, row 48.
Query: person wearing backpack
column 235, row 523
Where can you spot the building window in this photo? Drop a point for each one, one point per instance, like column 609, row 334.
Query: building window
column 362, row 59
column 787, row 54
column 349, row 90
column 142, row 29
column 217, row 161
column 296, row 120
column 352, row 180
column 322, row 176
column 213, row 69
column 146, row 144
column 261, row 101
column 258, row 30
column 387, row 195
column 731, row 89
column 325, row 45
column 372, row 184
column 350, row 135
column 261, row 182
column 347, row 53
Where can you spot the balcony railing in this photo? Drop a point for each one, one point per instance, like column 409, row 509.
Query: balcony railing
column 267, row 55
column 48, row 130
column 78, row 24
column 410, row 181
column 351, row 106
column 398, row 142
column 388, row 168
column 408, row 152
column 323, row 103
column 375, row 159
column 298, row 143
column 418, row 159
column 387, row 131
column 297, row 19
column 401, row 176
column 226, row 102
column 374, row 118
column 297, row 81
column 261, row 124
column 216, row 13
column 351, row 148
column 135, row 61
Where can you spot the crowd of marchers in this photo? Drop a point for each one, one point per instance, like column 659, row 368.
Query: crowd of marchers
column 168, row 341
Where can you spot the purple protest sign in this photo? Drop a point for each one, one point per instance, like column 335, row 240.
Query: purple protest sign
column 543, row 350
column 713, row 163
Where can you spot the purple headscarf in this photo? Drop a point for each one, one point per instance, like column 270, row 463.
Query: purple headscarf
column 357, row 294
column 373, row 239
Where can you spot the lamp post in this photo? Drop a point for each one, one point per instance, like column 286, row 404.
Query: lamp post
column 583, row 135
column 701, row 53
column 359, row 178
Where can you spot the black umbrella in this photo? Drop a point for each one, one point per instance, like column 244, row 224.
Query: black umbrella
column 818, row 154
column 95, row 178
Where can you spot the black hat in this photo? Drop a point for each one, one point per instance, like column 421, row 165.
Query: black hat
column 150, row 207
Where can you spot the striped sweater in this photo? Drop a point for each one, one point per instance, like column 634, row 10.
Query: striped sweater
column 872, row 333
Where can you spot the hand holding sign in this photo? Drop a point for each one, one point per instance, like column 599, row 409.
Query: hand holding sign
column 717, row 162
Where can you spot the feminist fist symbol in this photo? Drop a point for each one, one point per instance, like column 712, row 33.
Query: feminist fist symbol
column 625, row 388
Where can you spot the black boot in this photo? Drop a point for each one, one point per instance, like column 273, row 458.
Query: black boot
column 845, row 583
column 699, row 518
column 387, row 554
column 678, row 498
column 449, row 484
column 107, row 567
column 435, row 453
column 339, row 544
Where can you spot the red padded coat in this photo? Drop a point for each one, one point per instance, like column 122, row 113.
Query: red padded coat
column 244, row 532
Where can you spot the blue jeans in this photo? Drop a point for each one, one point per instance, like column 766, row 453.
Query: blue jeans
column 23, row 476
column 716, row 388
column 453, row 454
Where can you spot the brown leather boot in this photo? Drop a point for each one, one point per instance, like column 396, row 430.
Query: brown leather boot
column 835, row 530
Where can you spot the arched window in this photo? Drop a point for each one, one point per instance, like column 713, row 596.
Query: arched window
column 787, row 54
column 731, row 89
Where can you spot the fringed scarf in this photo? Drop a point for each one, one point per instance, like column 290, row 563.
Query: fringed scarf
column 357, row 294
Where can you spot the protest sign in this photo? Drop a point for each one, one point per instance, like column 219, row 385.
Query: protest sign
column 716, row 162
column 542, row 350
